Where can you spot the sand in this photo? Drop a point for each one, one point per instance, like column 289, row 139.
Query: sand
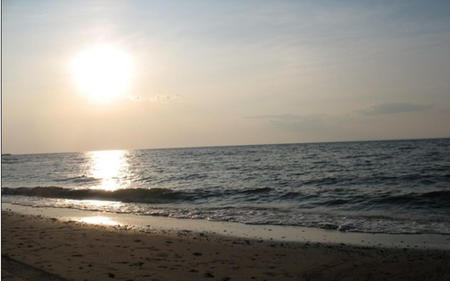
column 39, row 248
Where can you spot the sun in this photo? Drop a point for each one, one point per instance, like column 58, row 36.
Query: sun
column 103, row 72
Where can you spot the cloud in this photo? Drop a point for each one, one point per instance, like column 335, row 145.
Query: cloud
column 161, row 99
column 293, row 122
column 164, row 99
column 393, row 108
column 286, row 116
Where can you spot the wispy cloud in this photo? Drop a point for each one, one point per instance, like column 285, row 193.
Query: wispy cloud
column 293, row 122
column 161, row 99
column 286, row 116
column 393, row 108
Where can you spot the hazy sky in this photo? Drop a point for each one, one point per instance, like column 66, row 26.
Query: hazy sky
column 227, row 72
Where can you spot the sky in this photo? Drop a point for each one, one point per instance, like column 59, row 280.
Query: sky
column 207, row 73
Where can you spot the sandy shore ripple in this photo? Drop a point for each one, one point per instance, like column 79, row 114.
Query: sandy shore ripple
column 38, row 248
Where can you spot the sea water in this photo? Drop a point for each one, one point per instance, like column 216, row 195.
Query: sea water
column 376, row 186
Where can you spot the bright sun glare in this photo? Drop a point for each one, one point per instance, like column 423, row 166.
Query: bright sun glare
column 98, row 220
column 111, row 167
column 103, row 72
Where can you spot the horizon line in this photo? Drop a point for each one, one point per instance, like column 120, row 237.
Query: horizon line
column 232, row 145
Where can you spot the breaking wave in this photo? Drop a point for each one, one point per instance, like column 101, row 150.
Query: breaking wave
column 138, row 195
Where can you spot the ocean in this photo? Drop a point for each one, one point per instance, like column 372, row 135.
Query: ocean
column 400, row 186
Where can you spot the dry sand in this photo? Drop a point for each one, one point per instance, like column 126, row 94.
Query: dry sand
column 38, row 248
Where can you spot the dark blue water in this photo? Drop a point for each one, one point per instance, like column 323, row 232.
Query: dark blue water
column 380, row 186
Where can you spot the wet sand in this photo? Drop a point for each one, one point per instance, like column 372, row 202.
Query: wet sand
column 39, row 248
column 239, row 230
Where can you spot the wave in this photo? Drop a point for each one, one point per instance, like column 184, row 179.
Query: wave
column 436, row 199
column 129, row 195
column 255, row 190
column 10, row 159
column 137, row 195
column 433, row 199
column 79, row 179
column 292, row 195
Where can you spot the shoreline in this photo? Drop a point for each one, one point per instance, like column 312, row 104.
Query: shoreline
column 278, row 233
column 70, row 250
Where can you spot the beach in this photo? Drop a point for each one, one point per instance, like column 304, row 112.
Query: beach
column 225, row 140
column 43, row 248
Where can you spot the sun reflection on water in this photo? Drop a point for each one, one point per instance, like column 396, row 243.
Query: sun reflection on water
column 111, row 167
column 99, row 220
